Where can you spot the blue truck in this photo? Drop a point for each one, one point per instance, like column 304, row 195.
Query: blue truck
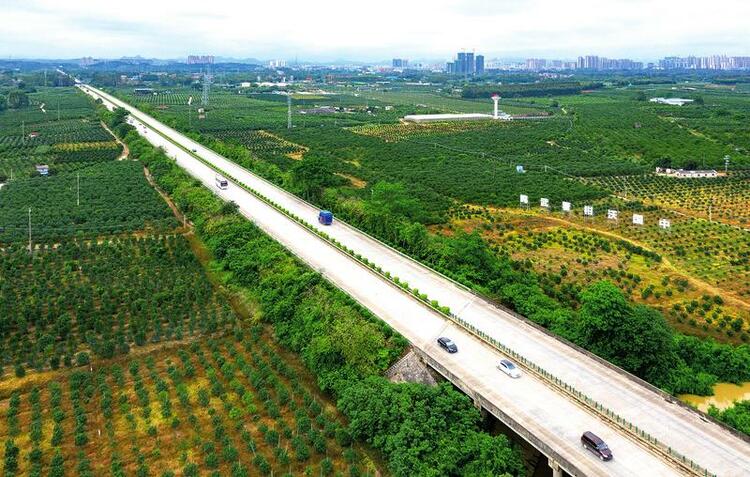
column 325, row 217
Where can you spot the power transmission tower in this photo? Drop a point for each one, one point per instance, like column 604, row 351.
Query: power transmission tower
column 206, row 85
column 289, row 110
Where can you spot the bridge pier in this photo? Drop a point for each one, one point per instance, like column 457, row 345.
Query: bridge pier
column 556, row 469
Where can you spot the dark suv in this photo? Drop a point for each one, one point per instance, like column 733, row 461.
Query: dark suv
column 447, row 344
column 592, row 442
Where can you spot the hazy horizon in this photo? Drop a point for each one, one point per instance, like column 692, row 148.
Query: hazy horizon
column 338, row 30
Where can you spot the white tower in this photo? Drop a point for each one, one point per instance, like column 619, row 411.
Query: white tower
column 495, row 99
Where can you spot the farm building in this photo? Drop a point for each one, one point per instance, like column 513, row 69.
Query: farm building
column 431, row 118
column 686, row 174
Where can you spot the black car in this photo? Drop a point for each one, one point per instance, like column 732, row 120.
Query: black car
column 447, row 344
column 592, row 442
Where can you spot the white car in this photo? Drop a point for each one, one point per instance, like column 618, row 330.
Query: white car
column 509, row 368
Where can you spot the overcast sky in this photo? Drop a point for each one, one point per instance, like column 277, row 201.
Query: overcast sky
column 373, row 30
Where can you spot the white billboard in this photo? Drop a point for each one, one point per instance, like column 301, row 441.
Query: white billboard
column 544, row 202
column 588, row 210
column 637, row 219
column 665, row 223
column 566, row 206
column 525, row 199
column 611, row 214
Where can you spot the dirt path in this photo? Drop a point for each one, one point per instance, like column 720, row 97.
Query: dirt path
column 187, row 226
column 125, row 149
column 728, row 296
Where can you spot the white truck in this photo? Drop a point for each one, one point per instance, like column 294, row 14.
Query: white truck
column 221, row 182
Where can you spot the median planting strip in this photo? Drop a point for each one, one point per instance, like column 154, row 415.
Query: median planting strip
column 561, row 386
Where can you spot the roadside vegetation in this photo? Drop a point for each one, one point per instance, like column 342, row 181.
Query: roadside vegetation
column 345, row 347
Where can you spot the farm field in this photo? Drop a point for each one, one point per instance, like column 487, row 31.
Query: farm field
column 65, row 139
column 121, row 355
column 606, row 138
column 114, row 198
column 726, row 198
column 419, row 187
column 97, row 302
column 570, row 254
column 437, row 101
column 221, row 406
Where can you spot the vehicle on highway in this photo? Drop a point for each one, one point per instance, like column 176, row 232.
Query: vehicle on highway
column 325, row 217
column 221, row 182
column 447, row 344
column 595, row 444
column 509, row 368
column 194, row 150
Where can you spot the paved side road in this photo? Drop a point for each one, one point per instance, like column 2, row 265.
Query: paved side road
column 708, row 444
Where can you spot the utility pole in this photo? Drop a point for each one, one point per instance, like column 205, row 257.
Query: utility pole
column 23, row 132
column 726, row 164
column 30, row 249
column 289, row 110
column 78, row 189
column 58, row 108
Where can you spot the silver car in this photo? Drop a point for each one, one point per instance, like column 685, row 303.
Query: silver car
column 509, row 368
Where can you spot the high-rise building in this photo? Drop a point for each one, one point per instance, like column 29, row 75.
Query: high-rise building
column 400, row 63
column 461, row 63
column 466, row 64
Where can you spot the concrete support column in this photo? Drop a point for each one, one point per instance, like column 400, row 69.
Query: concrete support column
column 556, row 469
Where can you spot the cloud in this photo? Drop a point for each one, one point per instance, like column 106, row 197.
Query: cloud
column 373, row 30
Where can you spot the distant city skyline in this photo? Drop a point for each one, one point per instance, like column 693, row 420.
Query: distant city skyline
column 343, row 30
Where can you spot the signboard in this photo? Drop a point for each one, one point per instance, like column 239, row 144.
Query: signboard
column 525, row 199
column 544, row 202
column 566, row 206
column 665, row 223
column 520, row 169
column 637, row 219
column 588, row 210
column 611, row 214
